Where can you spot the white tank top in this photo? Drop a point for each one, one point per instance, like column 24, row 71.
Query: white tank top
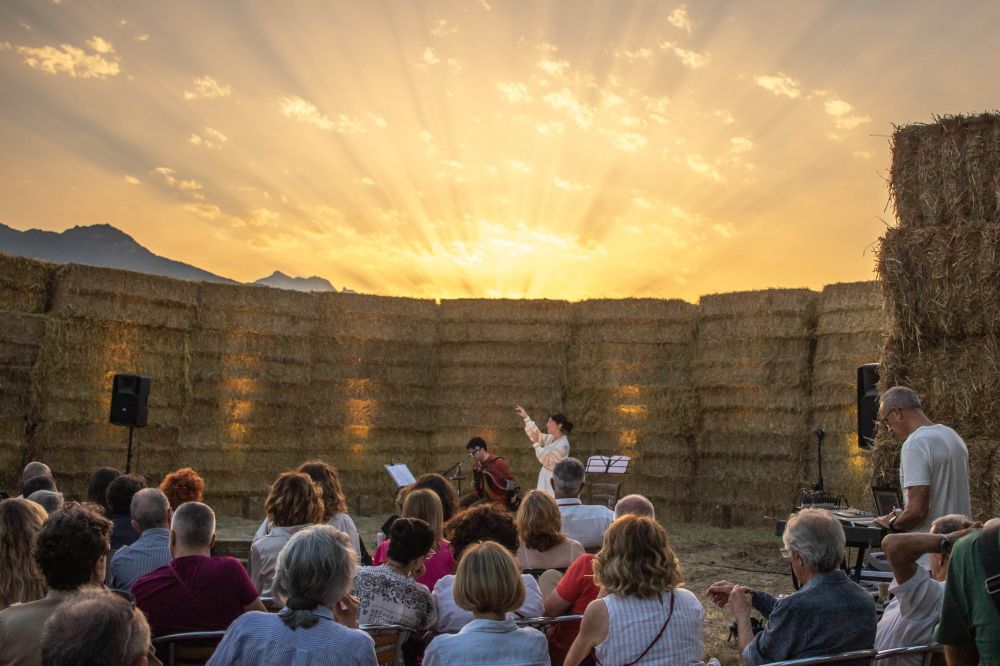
column 633, row 624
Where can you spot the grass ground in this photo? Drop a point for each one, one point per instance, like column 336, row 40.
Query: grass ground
column 743, row 555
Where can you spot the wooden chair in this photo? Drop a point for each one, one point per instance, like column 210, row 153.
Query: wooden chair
column 856, row 657
column 603, row 493
column 192, row 648
column 389, row 639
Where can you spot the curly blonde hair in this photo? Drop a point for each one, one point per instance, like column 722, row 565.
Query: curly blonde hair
column 324, row 474
column 20, row 579
column 539, row 522
column 636, row 560
column 183, row 485
column 294, row 499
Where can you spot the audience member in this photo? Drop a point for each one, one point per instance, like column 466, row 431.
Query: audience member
column 444, row 490
column 970, row 622
column 96, row 628
column 120, row 493
column 318, row 624
column 50, row 500
column 388, row 594
column 485, row 522
column 183, row 485
column 543, row 545
column 294, row 503
column 334, row 505
column 97, row 487
column 70, row 550
column 426, row 505
column 195, row 591
column 150, row 511
column 489, row 587
column 829, row 614
column 20, row 578
column 910, row 616
column 36, row 483
column 645, row 614
column 577, row 589
column 585, row 523
column 33, row 469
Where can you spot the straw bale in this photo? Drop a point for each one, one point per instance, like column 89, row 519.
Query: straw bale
column 106, row 294
column 749, row 372
column 486, row 311
column 982, row 471
column 885, row 462
column 24, row 283
column 770, row 301
column 665, row 355
column 668, row 373
column 629, row 310
column 257, row 309
column 502, row 353
column 843, row 419
column 831, row 395
column 374, row 352
column 356, row 326
column 751, row 350
column 399, row 375
column 638, row 332
column 20, row 337
column 778, row 421
column 12, row 459
column 499, row 376
column 754, row 397
column 841, row 347
column 766, row 486
column 861, row 321
column 780, row 326
column 273, row 348
column 848, row 296
column 487, row 331
column 496, row 396
column 654, row 408
column 752, row 444
column 946, row 170
column 337, row 305
column 942, row 281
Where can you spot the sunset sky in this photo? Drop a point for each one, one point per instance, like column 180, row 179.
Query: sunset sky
column 483, row 148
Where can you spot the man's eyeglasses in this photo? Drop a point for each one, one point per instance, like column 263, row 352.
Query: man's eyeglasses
column 883, row 422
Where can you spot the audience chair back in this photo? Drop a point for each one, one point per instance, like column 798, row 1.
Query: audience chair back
column 389, row 639
column 852, row 658
column 192, row 648
column 932, row 654
column 543, row 623
column 603, row 493
column 238, row 548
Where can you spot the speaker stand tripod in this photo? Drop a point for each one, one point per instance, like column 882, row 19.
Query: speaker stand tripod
column 128, row 459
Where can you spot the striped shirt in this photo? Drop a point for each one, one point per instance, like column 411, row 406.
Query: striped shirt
column 262, row 638
column 634, row 623
column 148, row 553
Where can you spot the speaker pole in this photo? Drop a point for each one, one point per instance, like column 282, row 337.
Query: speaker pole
column 128, row 460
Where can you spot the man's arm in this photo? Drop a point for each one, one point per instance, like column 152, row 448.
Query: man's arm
column 961, row 655
column 739, row 604
column 918, row 504
column 903, row 550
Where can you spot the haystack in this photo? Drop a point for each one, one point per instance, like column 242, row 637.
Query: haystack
column 24, row 284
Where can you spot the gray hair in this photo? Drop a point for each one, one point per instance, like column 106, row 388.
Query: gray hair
column 150, row 508
column 568, row 475
column 817, row 537
column 634, row 505
column 952, row 522
column 49, row 500
column 901, row 397
column 194, row 524
column 33, row 469
column 317, row 564
column 95, row 628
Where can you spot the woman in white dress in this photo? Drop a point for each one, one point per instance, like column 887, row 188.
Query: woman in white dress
column 551, row 447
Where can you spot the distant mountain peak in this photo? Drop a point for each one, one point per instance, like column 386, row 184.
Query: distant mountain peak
column 279, row 280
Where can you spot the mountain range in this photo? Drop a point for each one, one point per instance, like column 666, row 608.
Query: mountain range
column 109, row 247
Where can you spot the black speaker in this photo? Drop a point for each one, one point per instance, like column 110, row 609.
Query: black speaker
column 129, row 394
column 867, row 404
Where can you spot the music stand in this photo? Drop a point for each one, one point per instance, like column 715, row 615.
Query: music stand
column 401, row 475
column 608, row 491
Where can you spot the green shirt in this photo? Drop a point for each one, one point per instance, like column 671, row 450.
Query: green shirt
column 968, row 615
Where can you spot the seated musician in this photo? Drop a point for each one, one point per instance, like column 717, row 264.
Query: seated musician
column 492, row 479
column 829, row 614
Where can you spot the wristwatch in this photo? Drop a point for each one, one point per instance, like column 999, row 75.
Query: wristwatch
column 892, row 524
column 946, row 545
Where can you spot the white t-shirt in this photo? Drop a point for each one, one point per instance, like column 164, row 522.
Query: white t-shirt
column 910, row 616
column 936, row 456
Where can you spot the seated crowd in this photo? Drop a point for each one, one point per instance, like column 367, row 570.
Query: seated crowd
column 96, row 582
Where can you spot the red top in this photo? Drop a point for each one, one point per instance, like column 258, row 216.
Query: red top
column 576, row 586
column 490, row 479
column 195, row 593
column 438, row 565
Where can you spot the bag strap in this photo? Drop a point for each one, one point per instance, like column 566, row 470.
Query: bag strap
column 650, row 646
column 989, row 557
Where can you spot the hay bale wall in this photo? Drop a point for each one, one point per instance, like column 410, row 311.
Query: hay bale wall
column 709, row 399
column 939, row 272
column 752, row 372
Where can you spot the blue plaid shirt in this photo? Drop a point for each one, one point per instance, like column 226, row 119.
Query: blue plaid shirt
column 148, row 553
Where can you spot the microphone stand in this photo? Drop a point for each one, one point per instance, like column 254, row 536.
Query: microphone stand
column 457, row 476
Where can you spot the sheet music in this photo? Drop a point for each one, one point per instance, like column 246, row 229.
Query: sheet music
column 608, row 464
column 400, row 474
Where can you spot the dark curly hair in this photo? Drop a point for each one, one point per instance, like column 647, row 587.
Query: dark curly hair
column 409, row 538
column 486, row 522
column 325, row 475
column 444, row 490
column 121, row 490
column 294, row 499
column 183, row 485
column 70, row 543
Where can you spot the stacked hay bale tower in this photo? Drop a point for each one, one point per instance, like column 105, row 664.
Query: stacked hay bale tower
column 752, row 370
column 940, row 273
column 629, row 393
